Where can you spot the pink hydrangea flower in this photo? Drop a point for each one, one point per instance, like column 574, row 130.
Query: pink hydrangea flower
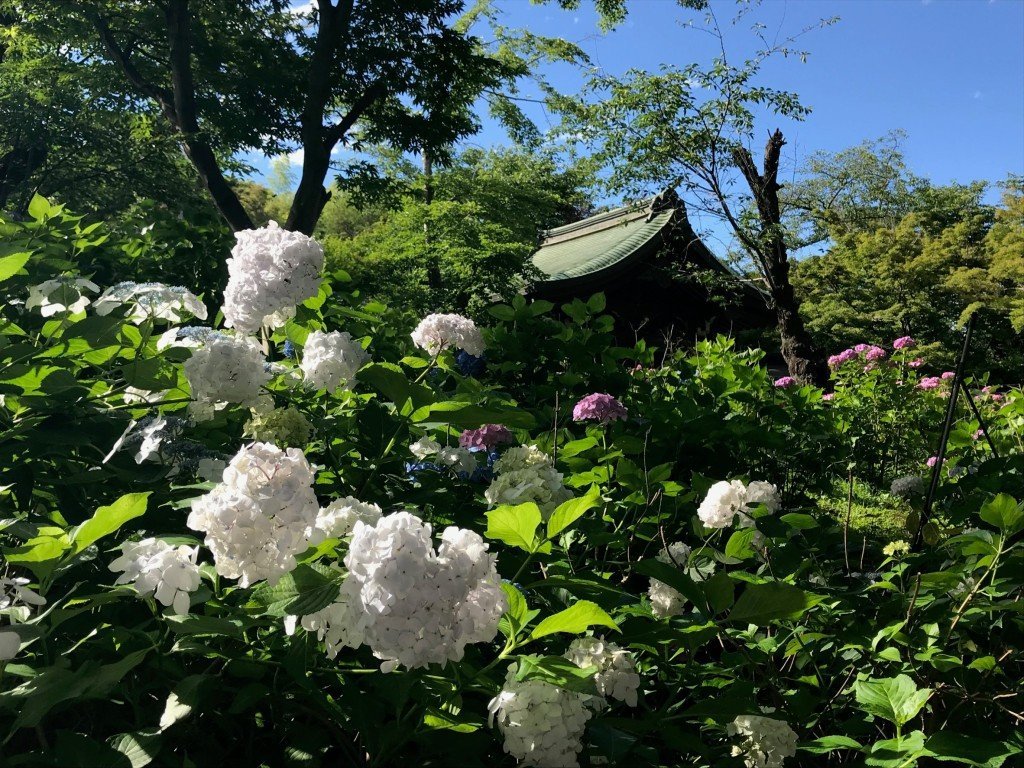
column 874, row 353
column 929, row 382
column 785, row 382
column 828, row 396
column 904, row 342
column 946, row 375
column 861, row 348
column 486, row 438
column 917, row 362
column 600, row 407
column 843, row 357
column 978, row 434
column 932, row 461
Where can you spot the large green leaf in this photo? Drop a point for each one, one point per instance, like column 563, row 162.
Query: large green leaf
column 559, row 671
column 463, row 415
column 569, row 512
column 306, row 590
column 575, row 619
column 516, row 526
column 1004, row 513
column 896, row 699
column 11, row 264
column 951, row 747
column 182, row 700
column 108, row 520
column 763, row 603
column 391, row 381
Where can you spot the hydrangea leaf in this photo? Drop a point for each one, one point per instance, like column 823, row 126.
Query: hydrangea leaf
column 559, row 671
column 108, row 520
column 574, row 620
column 896, row 699
column 182, row 700
column 516, row 526
column 11, row 264
column 897, row 753
column 960, row 748
column 762, row 603
column 569, row 512
column 1004, row 513
column 830, row 744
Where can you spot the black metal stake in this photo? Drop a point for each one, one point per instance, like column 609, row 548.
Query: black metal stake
column 940, row 457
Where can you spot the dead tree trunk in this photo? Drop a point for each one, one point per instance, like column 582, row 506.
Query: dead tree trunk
column 804, row 359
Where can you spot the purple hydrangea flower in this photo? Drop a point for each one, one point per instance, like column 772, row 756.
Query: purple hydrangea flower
column 600, row 407
column 917, row 362
column 904, row 342
column 874, row 353
column 843, row 357
column 947, row 375
column 486, row 438
column 785, row 382
column 932, row 461
column 861, row 348
column 929, row 382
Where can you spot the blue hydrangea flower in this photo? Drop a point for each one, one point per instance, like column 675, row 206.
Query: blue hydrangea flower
column 470, row 365
column 413, row 468
column 289, row 350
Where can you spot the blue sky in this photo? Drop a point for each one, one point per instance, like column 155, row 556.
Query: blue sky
column 948, row 72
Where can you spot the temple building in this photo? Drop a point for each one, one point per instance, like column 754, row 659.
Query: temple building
column 658, row 276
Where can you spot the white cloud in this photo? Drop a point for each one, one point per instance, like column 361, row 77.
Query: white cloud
column 296, row 157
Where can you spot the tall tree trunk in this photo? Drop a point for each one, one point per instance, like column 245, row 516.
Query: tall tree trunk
column 805, row 361
column 179, row 104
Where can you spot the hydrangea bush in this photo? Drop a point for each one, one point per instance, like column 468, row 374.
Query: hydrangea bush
column 319, row 537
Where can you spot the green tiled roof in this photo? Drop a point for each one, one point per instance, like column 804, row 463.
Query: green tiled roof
column 598, row 243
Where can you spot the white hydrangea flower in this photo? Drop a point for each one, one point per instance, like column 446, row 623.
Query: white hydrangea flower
column 155, row 301
column 225, row 369
column 424, row 447
column 271, row 270
column 766, row 742
column 724, row 499
column 410, row 604
column 616, row 676
column 760, row 492
column 525, row 473
column 542, row 725
column 330, row 360
column 338, row 519
column 17, row 600
column 438, row 332
column 666, row 601
column 59, row 295
column 10, row 644
column 157, row 568
column 256, row 520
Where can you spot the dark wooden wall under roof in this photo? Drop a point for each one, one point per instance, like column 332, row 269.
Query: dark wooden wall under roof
column 657, row 274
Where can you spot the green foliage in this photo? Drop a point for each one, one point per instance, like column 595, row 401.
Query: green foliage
column 875, row 656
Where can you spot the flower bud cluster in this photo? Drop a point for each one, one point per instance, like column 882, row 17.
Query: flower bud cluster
column 225, row 369
column 410, row 604
column 438, row 332
column 727, row 499
column 280, row 426
column 525, row 473
column 151, row 301
column 666, row 601
column 541, row 724
column 157, row 568
column 270, row 272
column 766, row 742
column 616, row 676
column 256, row 520
column 330, row 360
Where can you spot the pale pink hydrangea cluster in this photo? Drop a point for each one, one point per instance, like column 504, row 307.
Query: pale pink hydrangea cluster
column 486, row 438
column 929, row 382
column 785, row 382
column 525, row 473
column 330, row 360
column 666, row 601
column 258, row 518
column 616, row 676
column 599, row 407
column 542, row 725
column 438, row 332
column 151, row 301
column 410, row 604
column 726, row 499
column 17, row 601
column 904, row 342
column 765, row 742
column 162, row 570
column 869, row 352
column 270, row 272
column 225, row 369
column 60, row 295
